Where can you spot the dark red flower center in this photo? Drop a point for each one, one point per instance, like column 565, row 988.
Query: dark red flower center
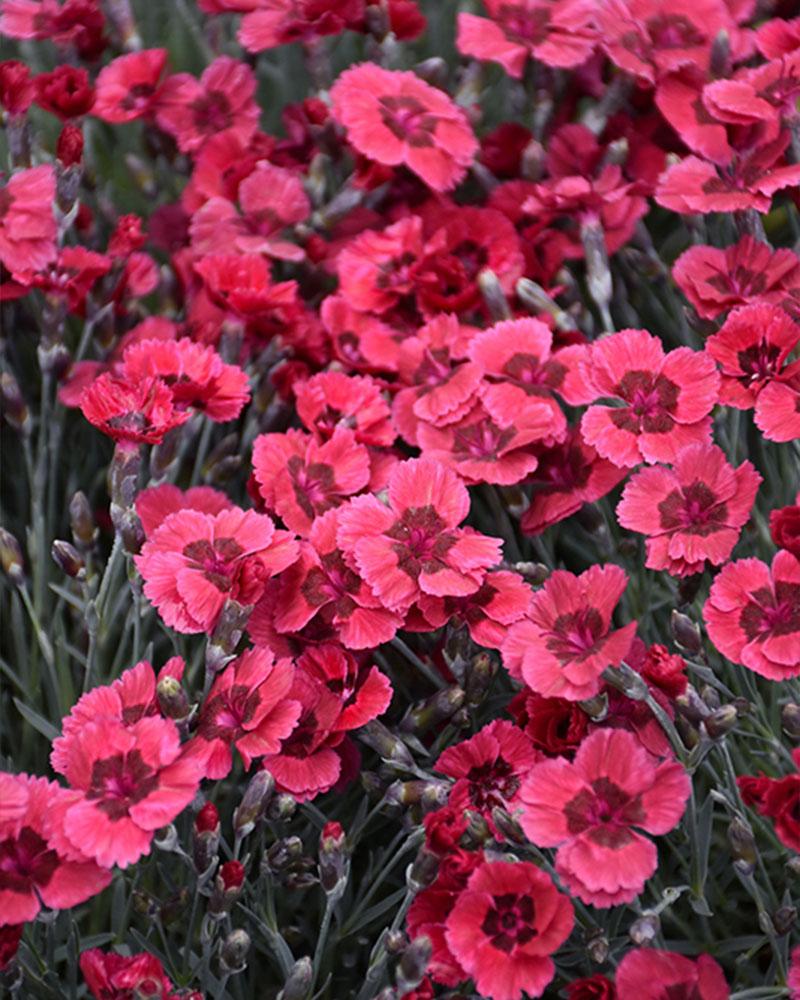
column 421, row 543
column 212, row 112
column 606, row 811
column 760, row 361
column 651, row 400
column 769, row 614
column 483, row 440
column 510, row 921
column 121, row 781
column 574, row 634
column 674, row 31
column 694, row 509
column 408, row 119
column 313, row 485
column 26, row 861
column 138, row 97
column 492, row 783
column 216, row 561
column 523, row 24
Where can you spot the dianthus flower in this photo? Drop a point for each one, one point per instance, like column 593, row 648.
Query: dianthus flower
column 748, row 271
column 119, row 977
column 27, row 223
column 65, row 92
column 300, row 479
column 321, row 585
column 131, row 411
column 556, row 32
column 566, row 642
column 70, row 277
column 414, row 546
column 777, row 411
column 503, row 598
column 17, row 87
column 196, row 376
column 662, row 401
column 396, row 118
column 330, row 399
column 652, row 974
column 129, row 86
column 751, row 348
column 248, row 707
column 223, row 99
column 242, row 284
column 778, row 37
column 364, row 692
column 36, row 867
column 778, row 799
column 128, row 782
column 784, row 527
column 505, row 925
column 692, row 512
column 592, row 808
column 597, row 987
column 271, row 23
column 156, row 503
column 555, row 726
column 194, row 562
column 753, row 615
column 488, row 768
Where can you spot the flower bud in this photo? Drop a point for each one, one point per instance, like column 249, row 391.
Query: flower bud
column 438, row 708
column 644, row 929
column 493, row 295
column 334, row 863
column 685, row 633
column 205, row 837
column 790, row 719
column 84, row 530
column 598, row 272
column 535, row 298
column 282, row 807
column 14, row 407
column 480, row 674
column 742, row 844
column 597, row 947
column 508, row 826
column 226, row 636
column 720, row 55
column 233, row 953
column 784, row 919
column 380, row 739
column 11, row 558
column 69, row 148
column 710, row 697
column 227, row 888
column 254, row 802
column 68, row 559
column 721, row 722
column 413, row 963
column 422, row 871
column 172, row 699
column 166, row 838
column 477, row 832
column 395, row 942
column 281, row 855
column 298, row 982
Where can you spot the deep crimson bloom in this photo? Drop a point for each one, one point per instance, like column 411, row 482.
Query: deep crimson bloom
column 65, row 92
column 691, row 513
column 27, row 224
column 156, row 503
column 322, row 585
column 555, row 726
column 663, row 670
column 17, row 87
column 131, row 697
column 503, row 598
column 193, row 562
column 591, row 809
column 414, row 546
column 556, row 32
column 132, row 781
column 715, row 280
column 35, row 867
column 565, row 643
column 662, row 401
column 10, row 937
column 396, row 118
column 784, row 526
column 300, row 479
column 248, row 707
column 751, row 348
column 364, row 692
column 651, row 974
column 778, row 799
column 504, row 927
column 117, row 977
column 196, row 376
column 753, row 615
column 777, row 413
column 132, row 412
column 242, row 284
column 596, row 987
column 222, row 99
column 488, row 768
column 129, row 86
column 330, row 399
column 568, row 475
column 270, row 23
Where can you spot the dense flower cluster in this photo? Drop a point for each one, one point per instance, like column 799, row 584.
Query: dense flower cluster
column 495, row 396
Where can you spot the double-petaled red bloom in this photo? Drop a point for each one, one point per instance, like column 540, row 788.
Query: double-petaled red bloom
column 131, row 411
column 119, row 977
column 396, row 118
column 592, row 809
column 661, row 402
column 778, row 799
column 691, row 513
column 753, row 615
column 566, row 642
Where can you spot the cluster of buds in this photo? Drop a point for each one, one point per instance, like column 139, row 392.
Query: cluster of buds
column 285, row 862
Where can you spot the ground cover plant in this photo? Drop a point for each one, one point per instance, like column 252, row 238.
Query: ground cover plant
column 400, row 499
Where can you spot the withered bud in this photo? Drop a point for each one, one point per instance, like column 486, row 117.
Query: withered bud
column 790, row 720
column 234, row 950
column 298, row 982
column 685, row 633
column 508, row 826
column 493, row 295
column 255, row 800
column 784, row 919
column 410, row 793
column 433, row 710
column 68, row 559
column 691, row 706
column 166, row 838
column 597, row 947
column 742, row 844
column 388, row 746
column 721, row 722
column 282, row 807
column 11, row 558
column 413, row 963
column 480, row 674
column 422, row 871
column 172, row 699
column 644, row 929
column 15, row 409
column 84, row 530
column 598, row 272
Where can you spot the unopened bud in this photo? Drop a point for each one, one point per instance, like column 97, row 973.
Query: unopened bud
column 380, row 739
column 395, row 942
column 685, row 633
column 596, row 708
column 84, row 530
column 597, row 947
column 413, row 964
column 434, row 710
column 282, row 854
column 477, row 831
column 721, row 722
column 234, row 950
column 598, row 272
column 172, row 699
column 790, row 719
column 720, row 55
column 11, row 558
column 227, row 888
column 422, row 871
column 644, row 929
column 14, row 407
column 254, row 802
column 205, row 837
column 711, row 697
column 282, row 807
column 784, row 919
column 742, row 844
column 333, row 860
column 507, row 826
column 534, row 573
column 537, row 300
column 299, row 981
column 174, row 907
column 532, row 162
column 226, row 635
column 493, row 296
column 480, row 674
column 67, row 558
